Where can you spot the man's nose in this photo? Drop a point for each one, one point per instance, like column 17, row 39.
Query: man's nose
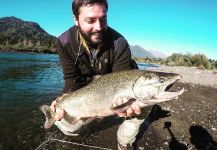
column 98, row 25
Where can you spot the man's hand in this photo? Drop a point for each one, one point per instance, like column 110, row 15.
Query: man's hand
column 60, row 115
column 133, row 109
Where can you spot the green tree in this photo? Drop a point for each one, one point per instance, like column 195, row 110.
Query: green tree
column 200, row 60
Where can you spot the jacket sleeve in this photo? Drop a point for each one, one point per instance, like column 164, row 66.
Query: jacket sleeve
column 122, row 56
column 72, row 75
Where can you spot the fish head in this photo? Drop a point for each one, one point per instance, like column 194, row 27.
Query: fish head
column 154, row 87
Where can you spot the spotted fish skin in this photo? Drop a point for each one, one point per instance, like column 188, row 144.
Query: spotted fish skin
column 95, row 100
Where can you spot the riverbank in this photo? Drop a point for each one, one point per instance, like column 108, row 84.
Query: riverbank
column 192, row 75
column 192, row 123
column 189, row 122
column 28, row 51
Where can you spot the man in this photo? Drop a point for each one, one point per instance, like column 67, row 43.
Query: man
column 92, row 48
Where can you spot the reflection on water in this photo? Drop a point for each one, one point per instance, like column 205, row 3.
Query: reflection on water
column 143, row 66
column 26, row 82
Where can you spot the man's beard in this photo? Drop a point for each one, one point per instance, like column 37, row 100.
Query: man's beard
column 96, row 42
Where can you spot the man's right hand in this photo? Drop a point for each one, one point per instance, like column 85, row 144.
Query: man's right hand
column 60, row 115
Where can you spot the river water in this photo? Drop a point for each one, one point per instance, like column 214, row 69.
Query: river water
column 26, row 82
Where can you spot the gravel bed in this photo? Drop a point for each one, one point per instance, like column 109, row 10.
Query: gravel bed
column 191, row 75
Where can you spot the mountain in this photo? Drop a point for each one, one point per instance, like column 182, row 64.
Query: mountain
column 158, row 54
column 20, row 35
column 138, row 51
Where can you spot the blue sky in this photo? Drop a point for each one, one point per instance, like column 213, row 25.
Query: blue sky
column 183, row 26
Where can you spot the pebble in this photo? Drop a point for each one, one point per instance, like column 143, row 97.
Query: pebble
column 214, row 129
column 166, row 143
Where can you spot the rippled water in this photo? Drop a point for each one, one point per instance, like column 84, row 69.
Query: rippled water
column 26, row 82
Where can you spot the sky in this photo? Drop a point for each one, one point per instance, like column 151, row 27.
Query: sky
column 168, row 26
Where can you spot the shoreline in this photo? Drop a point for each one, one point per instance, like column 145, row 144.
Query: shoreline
column 191, row 75
column 28, row 51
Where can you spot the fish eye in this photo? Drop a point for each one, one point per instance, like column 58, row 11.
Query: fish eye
column 162, row 80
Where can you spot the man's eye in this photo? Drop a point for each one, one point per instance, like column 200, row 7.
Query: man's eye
column 162, row 80
column 90, row 21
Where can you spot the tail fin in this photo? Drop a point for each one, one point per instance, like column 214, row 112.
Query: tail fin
column 49, row 114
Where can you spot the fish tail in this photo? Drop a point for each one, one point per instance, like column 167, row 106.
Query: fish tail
column 49, row 114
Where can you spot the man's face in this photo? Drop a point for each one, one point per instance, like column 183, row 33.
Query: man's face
column 92, row 22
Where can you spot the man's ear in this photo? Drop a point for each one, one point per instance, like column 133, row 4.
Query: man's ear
column 75, row 20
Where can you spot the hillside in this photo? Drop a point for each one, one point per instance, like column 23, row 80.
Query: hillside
column 138, row 51
column 20, row 35
column 158, row 54
column 27, row 36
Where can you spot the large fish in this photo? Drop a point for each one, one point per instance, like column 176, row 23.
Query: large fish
column 95, row 100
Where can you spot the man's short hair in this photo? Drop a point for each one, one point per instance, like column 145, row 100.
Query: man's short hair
column 76, row 4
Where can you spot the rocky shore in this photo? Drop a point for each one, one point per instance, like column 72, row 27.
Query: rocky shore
column 192, row 75
column 192, row 121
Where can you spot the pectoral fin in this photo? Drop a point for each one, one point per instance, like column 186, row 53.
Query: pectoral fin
column 124, row 105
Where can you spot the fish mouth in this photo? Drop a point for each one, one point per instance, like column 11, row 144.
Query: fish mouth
column 171, row 91
column 169, row 87
column 166, row 93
